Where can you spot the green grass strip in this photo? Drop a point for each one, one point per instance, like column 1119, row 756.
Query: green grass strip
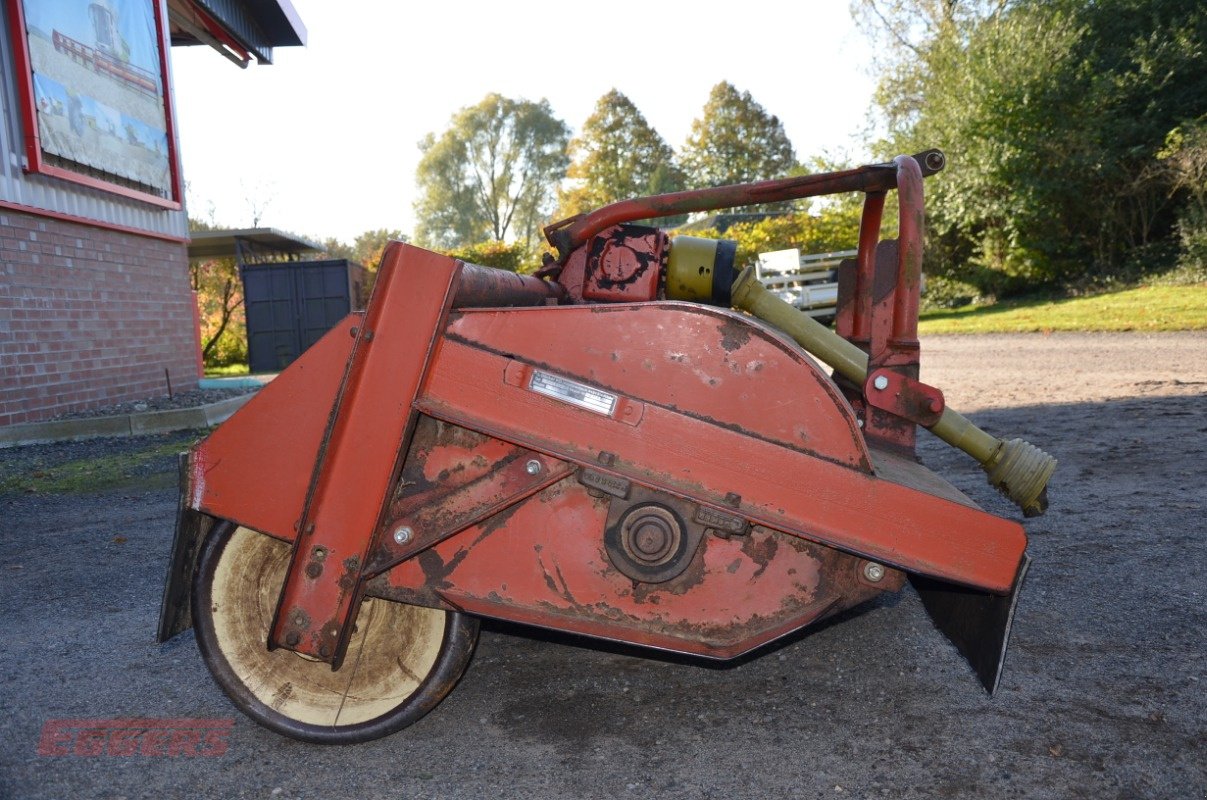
column 1146, row 309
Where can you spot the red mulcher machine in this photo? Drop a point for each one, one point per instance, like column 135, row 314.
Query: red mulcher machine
column 631, row 445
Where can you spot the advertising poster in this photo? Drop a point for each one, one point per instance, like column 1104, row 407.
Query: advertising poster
column 98, row 88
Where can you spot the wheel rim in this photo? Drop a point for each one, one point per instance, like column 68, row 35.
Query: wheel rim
column 392, row 650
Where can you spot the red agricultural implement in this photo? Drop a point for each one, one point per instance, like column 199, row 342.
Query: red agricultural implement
column 606, row 448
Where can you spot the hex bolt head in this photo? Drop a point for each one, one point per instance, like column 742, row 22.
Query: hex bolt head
column 873, row 572
column 403, row 535
column 881, row 382
column 533, row 467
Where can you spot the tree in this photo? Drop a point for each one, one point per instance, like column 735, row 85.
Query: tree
column 735, row 140
column 1184, row 158
column 617, row 156
column 370, row 246
column 513, row 256
column 1052, row 114
column 491, row 174
column 834, row 227
column 366, row 250
column 220, row 304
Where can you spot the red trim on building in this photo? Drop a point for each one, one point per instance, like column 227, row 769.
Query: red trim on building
column 109, row 226
column 220, row 33
column 29, row 116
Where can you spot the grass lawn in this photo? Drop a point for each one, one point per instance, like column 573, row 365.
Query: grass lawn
column 229, row 369
column 1147, row 308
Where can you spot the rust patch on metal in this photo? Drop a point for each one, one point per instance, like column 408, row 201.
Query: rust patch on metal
column 734, row 334
column 761, row 550
column 690, row 578
column 347, row 581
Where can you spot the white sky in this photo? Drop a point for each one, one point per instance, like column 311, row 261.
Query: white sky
column 323, row 142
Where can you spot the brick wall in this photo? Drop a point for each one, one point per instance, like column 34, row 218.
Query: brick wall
column 89, row 317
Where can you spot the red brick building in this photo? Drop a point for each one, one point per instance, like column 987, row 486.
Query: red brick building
column 95, row 302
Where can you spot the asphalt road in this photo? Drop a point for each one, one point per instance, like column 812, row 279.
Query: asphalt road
column 1103, row 694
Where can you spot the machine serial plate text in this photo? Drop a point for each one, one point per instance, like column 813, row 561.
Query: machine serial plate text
column 572, row 392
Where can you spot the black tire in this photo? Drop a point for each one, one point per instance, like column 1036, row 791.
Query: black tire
column 414, row 658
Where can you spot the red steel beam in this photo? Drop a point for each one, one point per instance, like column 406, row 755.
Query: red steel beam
column 358, row 458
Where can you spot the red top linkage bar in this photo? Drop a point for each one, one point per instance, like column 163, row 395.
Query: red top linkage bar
column 569, row 234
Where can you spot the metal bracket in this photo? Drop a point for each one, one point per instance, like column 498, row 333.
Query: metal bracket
column 427, row 518
column 904, row 396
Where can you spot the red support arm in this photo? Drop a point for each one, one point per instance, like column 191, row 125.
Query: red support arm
column 572, row 233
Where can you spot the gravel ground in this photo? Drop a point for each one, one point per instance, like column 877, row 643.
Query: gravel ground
column 197, row 397
column 1102, row 697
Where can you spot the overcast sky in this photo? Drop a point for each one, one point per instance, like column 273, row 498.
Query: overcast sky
column 323, row 142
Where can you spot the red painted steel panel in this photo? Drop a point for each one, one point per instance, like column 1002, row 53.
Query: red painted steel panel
column 256, row 467
column 544, row 563
column 710, row 363
column 779, row 487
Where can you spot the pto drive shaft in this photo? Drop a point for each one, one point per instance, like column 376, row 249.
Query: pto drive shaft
column 1017, row 469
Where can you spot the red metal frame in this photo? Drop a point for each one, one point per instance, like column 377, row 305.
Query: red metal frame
column 362, row 451
column 29, row 115
column 418, row 453
column 736, row 595
column 570, row 234
column 709, row 410
column 779, row 487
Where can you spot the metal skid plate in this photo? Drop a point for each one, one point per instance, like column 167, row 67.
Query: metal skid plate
column 977, row 623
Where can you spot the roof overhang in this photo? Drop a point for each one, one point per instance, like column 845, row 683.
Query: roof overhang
column 246, row 244
column 239, row 29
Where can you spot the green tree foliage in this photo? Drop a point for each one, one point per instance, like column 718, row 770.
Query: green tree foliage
column 366, row 249
column 617, row 156
column 219, row 289
column 1184, row 157
column 511, row 256
column 1052, row 115
column 834, row 227
column 336, row 248
column 735, row 140
column 491, row 174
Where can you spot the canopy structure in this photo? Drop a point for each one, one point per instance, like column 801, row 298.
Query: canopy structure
column 239, row 29
column 250, row 245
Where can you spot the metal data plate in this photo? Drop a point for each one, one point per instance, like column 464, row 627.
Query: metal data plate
column 573, row 392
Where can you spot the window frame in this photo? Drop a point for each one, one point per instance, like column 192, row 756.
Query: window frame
column 36, row 162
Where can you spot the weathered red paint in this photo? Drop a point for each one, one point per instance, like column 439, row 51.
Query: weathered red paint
column 904, row 397
column 673, row 449
column 624, row 265
column 423, row 414
column 737, row 594
column 454, row 478
column 713, row 364
column 255, row 468
column 911, row 227
column 361, row 449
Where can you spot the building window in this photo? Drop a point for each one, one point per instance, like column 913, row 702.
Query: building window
column 96, row 108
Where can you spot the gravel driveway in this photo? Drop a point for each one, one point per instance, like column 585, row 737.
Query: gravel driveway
column 1103, row 694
